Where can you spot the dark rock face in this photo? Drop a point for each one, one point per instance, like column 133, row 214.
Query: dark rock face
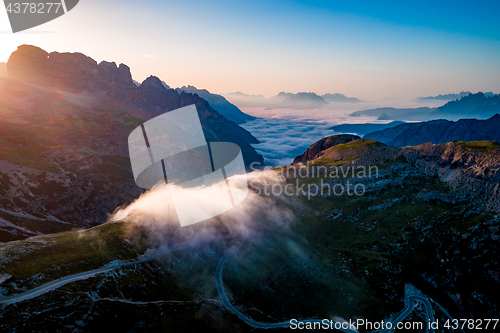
column 68, row 71
column 68, row 100
column 439, row 131
column 119, row 75
column 316, row 148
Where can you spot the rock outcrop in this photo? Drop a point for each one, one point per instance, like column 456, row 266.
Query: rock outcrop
column 316, row 149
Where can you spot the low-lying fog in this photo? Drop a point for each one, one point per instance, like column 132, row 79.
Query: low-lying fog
column 286, row 133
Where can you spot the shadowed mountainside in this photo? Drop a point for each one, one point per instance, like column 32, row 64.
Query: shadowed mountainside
column 471, row 106
column 340, row 98
column 64, row 128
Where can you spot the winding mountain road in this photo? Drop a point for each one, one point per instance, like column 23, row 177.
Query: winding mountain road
column 38, row 291
column 409, row 302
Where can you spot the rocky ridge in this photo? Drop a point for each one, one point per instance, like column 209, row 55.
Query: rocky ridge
column 470, row 169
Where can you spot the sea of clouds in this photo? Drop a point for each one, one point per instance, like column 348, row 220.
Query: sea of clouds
column 285, row 133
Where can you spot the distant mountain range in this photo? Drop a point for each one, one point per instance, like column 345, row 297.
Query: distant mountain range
column 220, row 104
column 315, row 150
column 301, row 100
column 439, row 131
column 449, row 97
column 362, row 129
column 471, row 106
column 478, row 105
column 340, row 98
column 390, row 113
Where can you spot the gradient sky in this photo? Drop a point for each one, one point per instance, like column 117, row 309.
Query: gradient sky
column 387, row 49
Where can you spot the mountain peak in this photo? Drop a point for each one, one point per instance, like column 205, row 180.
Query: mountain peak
column 153, row 82
column 67, row 71
column 124, row 76
column 119, row 74
column 28, row 51
column 315, row 150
